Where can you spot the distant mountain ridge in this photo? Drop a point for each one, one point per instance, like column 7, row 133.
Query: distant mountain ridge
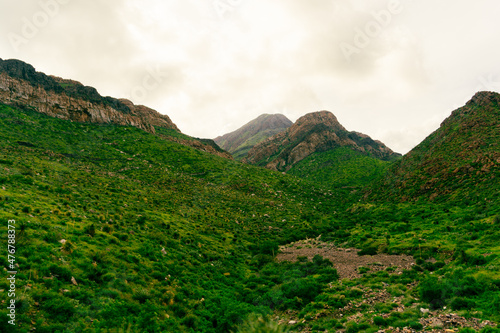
column 239, row 142
column 68, row 99
column 313, row 133
column 22, row 85
column 458, row 161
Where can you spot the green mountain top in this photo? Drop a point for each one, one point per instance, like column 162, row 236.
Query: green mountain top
column 460, row 161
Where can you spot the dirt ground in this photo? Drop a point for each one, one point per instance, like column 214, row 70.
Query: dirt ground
column 346, row 261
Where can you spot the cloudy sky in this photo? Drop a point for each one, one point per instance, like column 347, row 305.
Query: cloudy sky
column 393, row 69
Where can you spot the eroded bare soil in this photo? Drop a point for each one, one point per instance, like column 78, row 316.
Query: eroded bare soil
column 346, row 261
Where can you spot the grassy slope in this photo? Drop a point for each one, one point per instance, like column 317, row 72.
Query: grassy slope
column 140, row 193
column 340, row 167
column 243, row 149
column 119, row 195
column 459, row 162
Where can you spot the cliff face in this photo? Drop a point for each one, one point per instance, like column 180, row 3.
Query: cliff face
column 239, row 142
column 314, row 132
column 21, row 84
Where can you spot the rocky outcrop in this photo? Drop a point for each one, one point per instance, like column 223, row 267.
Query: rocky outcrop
column 239, row 142
column 67, row 99
column 314, row 132
column 21, row 85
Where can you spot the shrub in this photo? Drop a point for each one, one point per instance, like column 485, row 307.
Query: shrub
column 141, row 295
column 369, row 250
column 141, row 220
column 431, row 291
column 306, row 289
column 379, row 321
column 59, row 308
column 90, row 230
column 23, row 303
column 416, row 325
column 471, row 259
column 363, row 270
column 191, row 321
column 460, row 303
column 467, row 330
column 61, row 272
column 352, row 327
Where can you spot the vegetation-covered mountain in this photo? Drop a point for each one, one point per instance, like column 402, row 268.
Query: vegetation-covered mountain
column 119, row 229
column 22, row 85
column 239, row 142
column 313, row 133
column 155, row 234
column 340, row 167
column 460, row 161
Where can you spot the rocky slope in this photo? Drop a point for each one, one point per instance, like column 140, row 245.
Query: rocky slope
column 239, row 142
column 312, row 133
column 460, row 160
column 22, row 85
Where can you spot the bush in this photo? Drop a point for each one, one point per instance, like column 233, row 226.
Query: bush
column 306, row 289
column 431, row 291
column 416, row 325
column 379, row 321
column 58, row 308
column 471, row 259
column 141, row 220
column 370, row 250
column 467, row 330
column 141, row 295
column 61, row 272
column 460, row 303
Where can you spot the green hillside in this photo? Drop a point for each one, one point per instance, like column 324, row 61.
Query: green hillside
column 340, row 167
column 459, row 162
column 121, row 230
column 118, row 196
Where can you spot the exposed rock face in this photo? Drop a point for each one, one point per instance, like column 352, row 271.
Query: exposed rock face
column 67, row 99
column 314, row 132
column 239, row 142
column 22, row 85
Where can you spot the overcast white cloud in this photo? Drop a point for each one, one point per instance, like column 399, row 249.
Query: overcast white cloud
column 391, row 69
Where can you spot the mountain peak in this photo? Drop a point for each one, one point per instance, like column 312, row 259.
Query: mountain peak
column 484, row 98
column 239, row 142
column 458, row 160
column 325, row 118
column 314, row 132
